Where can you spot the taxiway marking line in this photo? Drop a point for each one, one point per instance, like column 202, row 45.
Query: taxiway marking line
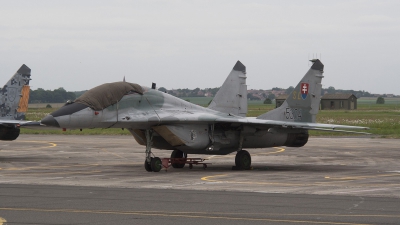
column 113, row 153
column 2, row 220
column 211, row 179
column 279, row 151
column 362, row 177
column 172, row 214
column 262, row 153
column 57, row 173
column 55, row 167
column 52, row 145
column 47, row 167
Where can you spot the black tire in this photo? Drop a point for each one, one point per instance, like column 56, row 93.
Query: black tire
column 156, row 164
column 9, row 133
column 243, row 160
column 147, row 166
column 178, row 154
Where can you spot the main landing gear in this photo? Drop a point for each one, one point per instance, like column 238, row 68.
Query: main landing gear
column 151, row 163
column 242, row 160
column 179, row 159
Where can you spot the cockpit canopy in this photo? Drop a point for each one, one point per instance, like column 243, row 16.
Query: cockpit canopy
column 107, row 94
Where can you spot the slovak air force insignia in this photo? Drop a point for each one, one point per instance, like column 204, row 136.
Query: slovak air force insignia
column 304, row 90
column 12, row 93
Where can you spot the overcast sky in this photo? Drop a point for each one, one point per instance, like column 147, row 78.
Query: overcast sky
column 187, row 44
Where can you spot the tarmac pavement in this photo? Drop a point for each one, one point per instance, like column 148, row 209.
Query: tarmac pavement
column 330, row 180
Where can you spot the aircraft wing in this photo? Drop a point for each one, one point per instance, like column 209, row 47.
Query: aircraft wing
column 252, row 121
column 24, row 124
column 13, row 122
column 287, row 124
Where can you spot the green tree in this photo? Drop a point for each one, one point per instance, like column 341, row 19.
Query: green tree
column 251, row 97
column 331, row 90
column 46, row 96
column 163, row 89
column 267, row 101
column 289, row 90
column 271, row 96
column 380, row 100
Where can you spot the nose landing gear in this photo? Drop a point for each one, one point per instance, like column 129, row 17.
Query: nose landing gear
column 151, row 164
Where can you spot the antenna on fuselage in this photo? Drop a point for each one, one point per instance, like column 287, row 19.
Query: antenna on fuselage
column 153, row 85
column 124, row 79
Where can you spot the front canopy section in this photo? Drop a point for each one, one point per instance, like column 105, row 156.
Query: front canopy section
column 107, row 94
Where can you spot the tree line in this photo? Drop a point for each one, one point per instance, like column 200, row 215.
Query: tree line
column 60, row 95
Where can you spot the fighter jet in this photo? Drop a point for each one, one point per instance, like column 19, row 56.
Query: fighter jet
column 162, row 121
column 14, row 98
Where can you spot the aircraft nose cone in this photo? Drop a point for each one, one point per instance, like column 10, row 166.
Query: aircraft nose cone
column 50, row 121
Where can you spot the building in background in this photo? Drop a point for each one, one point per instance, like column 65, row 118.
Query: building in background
column 338, row 101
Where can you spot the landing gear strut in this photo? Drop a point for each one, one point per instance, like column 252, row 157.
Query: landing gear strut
column 243, row 160
column 177, row 154
column 151, row 164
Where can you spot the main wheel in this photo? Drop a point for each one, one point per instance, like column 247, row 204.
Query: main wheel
column 180, row 155
column 147, row 166
column 155, row 164
column 243, row 160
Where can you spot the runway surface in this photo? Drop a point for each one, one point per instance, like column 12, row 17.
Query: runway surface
column 61, row 179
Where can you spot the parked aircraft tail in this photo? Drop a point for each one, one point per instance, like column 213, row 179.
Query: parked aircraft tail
column 14, row 95
column 302, row 104
column 231, row 98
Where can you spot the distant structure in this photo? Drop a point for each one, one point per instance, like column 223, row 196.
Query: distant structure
column 279, row 100
column 338, row 101
column 329, row 101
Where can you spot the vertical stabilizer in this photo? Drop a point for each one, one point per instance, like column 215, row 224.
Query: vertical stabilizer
column 231, row 98
column 302, row 104
column 14, row 95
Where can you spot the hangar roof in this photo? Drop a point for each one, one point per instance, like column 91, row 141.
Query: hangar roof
column 344, row 96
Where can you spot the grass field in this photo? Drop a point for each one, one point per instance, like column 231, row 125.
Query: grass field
column 384, row 120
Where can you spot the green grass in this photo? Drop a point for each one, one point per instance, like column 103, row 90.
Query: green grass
column 384, row 120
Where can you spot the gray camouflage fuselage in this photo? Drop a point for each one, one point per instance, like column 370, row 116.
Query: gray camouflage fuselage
column 180, row 125
column 168, row 115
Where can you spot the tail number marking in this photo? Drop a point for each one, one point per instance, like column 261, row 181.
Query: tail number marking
column 293, row 113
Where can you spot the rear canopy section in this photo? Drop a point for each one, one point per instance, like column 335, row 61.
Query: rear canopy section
column 107, row 94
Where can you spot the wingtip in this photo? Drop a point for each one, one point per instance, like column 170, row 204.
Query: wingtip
column 24, row 70
column 317, row 64
column 239, row 66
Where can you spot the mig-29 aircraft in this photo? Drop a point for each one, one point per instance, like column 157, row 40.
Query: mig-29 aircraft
column 159, row 120
column 14, row 98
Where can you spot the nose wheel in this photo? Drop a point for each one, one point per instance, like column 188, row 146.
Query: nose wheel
column 147, row 166
column 151, row 164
